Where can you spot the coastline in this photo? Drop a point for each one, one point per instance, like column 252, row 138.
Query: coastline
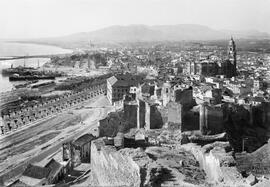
column 17, row 54
column 37, row 49
column 30, row 56
column 39, row 43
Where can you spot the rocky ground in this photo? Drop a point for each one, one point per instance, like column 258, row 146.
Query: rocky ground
column 172, row 161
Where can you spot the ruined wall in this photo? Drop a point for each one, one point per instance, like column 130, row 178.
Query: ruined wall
column 185, row 97
column 130, row 114
column 150, row 117
column 141, row 111
column 256, row 162
column 120, row 121
column 164, row 113
column 110, row 125
column 175, row 115
column 247, row 121
column 76, row 158
column 261, row 115
column 190, row 121
column 211, row 119
column 217, row 96
column 166, row 93
column 267, row 116
column 147, row 116
column 203, row 119
column 214, row 123
column 156, row 120
column 111, row 168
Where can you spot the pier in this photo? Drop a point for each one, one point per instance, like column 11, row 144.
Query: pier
column 31, row 56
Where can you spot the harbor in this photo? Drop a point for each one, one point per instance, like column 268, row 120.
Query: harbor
column 24, row 55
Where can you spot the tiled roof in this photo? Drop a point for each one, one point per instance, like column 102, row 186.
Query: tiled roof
column 84, row 139
column 205, row 88
column 54, row 167
column 126, row 80
column 112, row 80
column 36, row 172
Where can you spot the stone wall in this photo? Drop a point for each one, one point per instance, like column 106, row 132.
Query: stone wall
column 214, row 117
column 211, row 119
column 120, row 121
column 155, row 116
column 110, row 125
column 149, row 116
column 166, row 93
column 207, row 119
column 190, row 121
column 185, row 97
column 175, row 114
column 249, row 122
column 136, row 113
column 130, row 113
column 261, row 115
column 257, row 162
column 141, row 114
column 111, row 168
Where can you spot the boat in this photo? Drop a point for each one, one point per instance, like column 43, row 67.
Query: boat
column 39, row 85
column 17, row 77
column 24, row 85
column 18, row 70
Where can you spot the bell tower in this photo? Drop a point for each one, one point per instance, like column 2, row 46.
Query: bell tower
column 232, row 54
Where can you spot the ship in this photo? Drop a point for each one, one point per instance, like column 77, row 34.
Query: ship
column 17, row 70
column 24, row 85
column 44, row 84
column 17, row 77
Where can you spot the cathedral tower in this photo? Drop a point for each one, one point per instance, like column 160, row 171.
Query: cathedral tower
column 232, row 54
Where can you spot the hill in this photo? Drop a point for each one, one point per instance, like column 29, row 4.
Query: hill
column 144, row 33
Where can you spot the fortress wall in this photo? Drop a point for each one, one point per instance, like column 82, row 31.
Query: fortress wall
column 175, row 115
column 156, row 120
column 109, row 126
column 185, row 97
column 214, row 117
column 130, row 114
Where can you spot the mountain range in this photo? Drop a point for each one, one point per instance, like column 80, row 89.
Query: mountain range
column 144, row 33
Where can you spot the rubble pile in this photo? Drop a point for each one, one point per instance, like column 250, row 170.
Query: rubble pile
column 153, row 166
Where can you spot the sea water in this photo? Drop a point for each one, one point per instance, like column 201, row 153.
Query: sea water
column 9, row 49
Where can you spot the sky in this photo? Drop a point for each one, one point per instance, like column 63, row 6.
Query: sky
column 47, row 18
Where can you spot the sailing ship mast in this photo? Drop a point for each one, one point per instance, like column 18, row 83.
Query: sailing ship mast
column 24, row 62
